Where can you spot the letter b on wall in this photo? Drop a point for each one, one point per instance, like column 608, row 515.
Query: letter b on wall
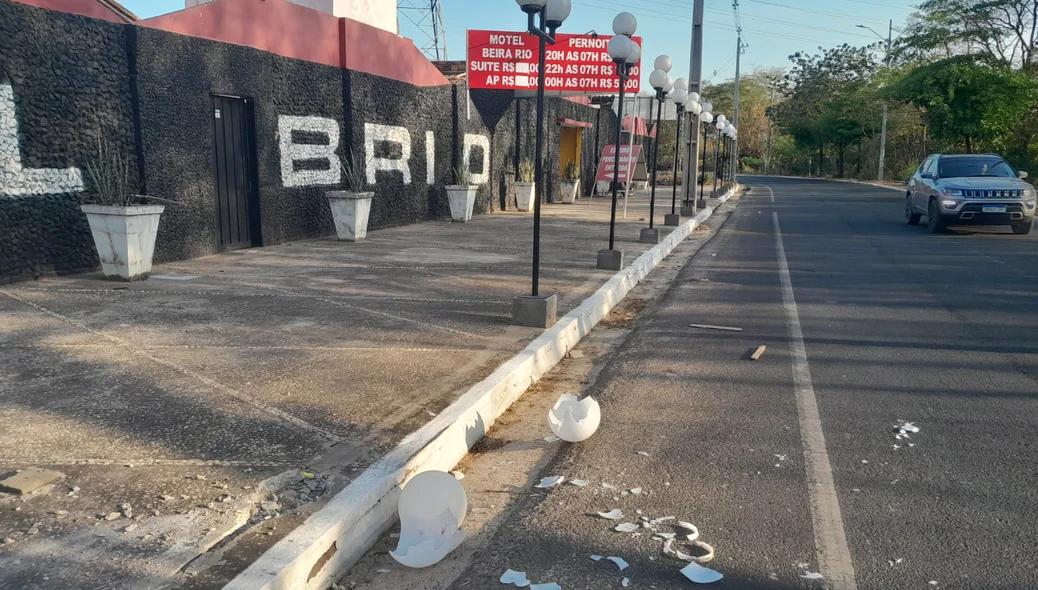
column 308, row 147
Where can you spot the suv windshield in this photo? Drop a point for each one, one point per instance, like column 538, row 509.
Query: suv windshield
column 960, row 167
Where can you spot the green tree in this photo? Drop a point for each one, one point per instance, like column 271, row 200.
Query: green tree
column 967, row 101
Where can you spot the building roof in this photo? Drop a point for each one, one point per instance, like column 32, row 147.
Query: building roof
column 108, row 10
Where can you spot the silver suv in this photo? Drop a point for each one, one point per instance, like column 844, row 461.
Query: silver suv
column 970, row 189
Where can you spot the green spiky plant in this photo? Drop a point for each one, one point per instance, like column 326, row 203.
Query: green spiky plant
column 526, row 170
column 354, row 171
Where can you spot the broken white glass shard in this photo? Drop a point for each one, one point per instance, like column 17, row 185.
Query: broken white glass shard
column 614, row 514
column 636, row 491
column 608, row 486
column 700, row 575
column 811, row 576
column 432, row 507
column 548, row 482
column 619, row 561
column 626, row 527
column 574, row 420
column 515, row 578
column 458, row 475
column 642, row 453
column 382, row 571
column 625, row 582
column 596, row 557
column 908, row 427
column 694, row 532
column 546, row 586
column 551, row 438
column 579, row 482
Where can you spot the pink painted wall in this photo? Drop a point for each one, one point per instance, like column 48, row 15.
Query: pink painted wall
column 289, row 30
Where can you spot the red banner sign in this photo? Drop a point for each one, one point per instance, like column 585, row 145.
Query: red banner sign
column 628, row 162
column 502, row 60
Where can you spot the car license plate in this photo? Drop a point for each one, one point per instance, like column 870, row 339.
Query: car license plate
column 994, row 209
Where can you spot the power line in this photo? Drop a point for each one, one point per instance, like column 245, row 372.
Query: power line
column 793, row 24
column 821, row 12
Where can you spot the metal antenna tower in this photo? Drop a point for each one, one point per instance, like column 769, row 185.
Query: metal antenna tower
column 427, row 18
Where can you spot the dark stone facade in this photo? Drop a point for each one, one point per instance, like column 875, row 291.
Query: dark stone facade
column 71, row 86
column 149, row 92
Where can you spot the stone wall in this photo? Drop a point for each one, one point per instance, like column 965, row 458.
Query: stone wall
column 67, row 80
column 64, row 84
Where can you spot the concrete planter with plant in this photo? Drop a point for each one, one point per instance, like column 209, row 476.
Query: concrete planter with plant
column 570, row 183
column 525, row 187
column 352, row 207
column 123, row 228
column 461, row 196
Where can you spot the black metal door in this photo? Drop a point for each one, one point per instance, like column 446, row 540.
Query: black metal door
column 237, row 207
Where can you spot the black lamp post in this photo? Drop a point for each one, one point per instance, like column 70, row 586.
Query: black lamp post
column 717, row 147
column 625, row 54
column 680, row 98
column 660, row 82
column 535, row 310
column 706, row 118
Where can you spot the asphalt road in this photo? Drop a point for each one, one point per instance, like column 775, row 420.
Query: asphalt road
column 790, row 464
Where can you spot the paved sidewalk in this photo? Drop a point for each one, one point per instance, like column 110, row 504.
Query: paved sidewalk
column 198, row 399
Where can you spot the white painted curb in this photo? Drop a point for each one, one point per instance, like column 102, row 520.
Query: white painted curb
column 847, row 180
column 353, row 520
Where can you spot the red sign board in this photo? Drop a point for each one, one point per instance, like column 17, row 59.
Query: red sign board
column 628, row 161
column 502, row 60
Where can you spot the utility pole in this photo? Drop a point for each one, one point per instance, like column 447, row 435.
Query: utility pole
column 734, row 156
column 886, row 59
column 695, row 79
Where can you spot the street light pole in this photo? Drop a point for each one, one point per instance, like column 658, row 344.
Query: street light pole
column 680, row 97
column 886, row 59
column 717, row 148
column 659, row 79
column 625, row 53
column 695, row 76
column 535, row 310
column 706, row 118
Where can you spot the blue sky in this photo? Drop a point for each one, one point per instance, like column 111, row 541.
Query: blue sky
column 773, row 29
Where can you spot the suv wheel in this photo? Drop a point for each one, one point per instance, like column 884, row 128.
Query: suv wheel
column 933, row 218
column 1023, row 228
column 911, row 217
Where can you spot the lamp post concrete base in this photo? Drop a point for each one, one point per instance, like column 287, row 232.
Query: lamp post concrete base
column 688, row 211
column 713, row 194
column 610, row 259
column 534, row 311
column 702, row 203
column 649, row 235
column 672, row 219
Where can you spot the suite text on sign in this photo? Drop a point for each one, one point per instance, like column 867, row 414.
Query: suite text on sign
column 502, row 60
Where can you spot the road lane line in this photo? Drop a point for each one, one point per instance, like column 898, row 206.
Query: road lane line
column 770, row 192
column 834, row 557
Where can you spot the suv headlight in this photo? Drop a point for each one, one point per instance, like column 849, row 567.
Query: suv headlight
column 951, row 192
column 1029, row 193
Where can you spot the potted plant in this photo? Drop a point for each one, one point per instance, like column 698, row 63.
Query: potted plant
column 524, row 187
column 570, row 183
column 351, row 207
column 462, row 196
column 123, row 228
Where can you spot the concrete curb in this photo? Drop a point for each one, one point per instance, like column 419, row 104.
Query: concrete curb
column 335, row 537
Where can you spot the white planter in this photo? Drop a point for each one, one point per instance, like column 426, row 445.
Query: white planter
column 524, row 195
column 124, row 238
column 462, row 198
column 350, row 212
column 568, row 188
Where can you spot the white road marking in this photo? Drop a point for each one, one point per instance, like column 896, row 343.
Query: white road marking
column 834, row 557
column 770, row 192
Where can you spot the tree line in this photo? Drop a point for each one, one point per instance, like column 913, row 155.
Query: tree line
column 962, row 77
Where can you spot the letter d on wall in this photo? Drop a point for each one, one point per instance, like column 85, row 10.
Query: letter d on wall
column 321, row 163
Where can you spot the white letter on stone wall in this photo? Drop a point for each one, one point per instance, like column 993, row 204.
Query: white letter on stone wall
column 480, row 141
column 430, row 157
column 295, row 152
column 16, row 180
column 391, row 134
